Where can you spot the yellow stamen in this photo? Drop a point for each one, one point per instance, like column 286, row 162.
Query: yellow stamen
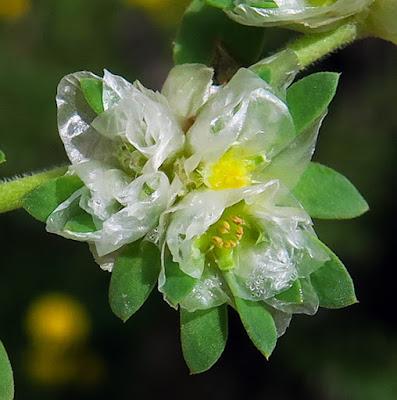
column 240, row 231
column 224, row 228
column 217, row 241
column 237, row 220
column 233, row 244
column 227, row 244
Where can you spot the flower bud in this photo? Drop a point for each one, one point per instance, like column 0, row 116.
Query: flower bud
column 312, row 15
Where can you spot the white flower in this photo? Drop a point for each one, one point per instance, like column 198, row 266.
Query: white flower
column 118, row 153
column 260, row 234
column 313, row 14
column 241, row 219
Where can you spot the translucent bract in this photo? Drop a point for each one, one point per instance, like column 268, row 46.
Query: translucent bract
column 203, row 171
column 311, row 14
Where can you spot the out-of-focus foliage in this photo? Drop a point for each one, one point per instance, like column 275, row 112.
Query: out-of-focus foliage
column 13, row 9
column 166, row 12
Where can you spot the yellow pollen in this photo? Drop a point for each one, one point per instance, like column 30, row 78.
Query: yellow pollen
column 217, row 241
column 230, row 172
column 227, row 244
column 224, row 228
column 237, row 220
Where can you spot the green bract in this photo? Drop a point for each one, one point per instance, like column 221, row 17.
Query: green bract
column 206, row 190
column 313, row 15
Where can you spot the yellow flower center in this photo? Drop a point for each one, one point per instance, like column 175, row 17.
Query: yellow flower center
column 230, row 172
column 223, row 238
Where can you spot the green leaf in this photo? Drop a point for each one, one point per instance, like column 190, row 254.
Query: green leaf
column 203, row 336
column 133, row 278
column 332, row 282
column 293, row 295
column 205, row 29
column 82, row 222
column 177, row 284
column 92, row 89
column 6, row 376
column 42, row 201
column 309, row 98
column 2, row 157
column 259, row 324
column 326, row 194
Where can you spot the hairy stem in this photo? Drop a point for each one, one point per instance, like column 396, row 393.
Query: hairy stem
column 311, row 48
column 13, row 192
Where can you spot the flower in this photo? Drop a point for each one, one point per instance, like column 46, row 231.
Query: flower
column 241, row 232
column 206, row 173
column 117, row 155
column 301, row 14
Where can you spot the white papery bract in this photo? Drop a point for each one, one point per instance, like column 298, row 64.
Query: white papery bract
column 274, row 251
column 311, row 14
column 117, row 154
column 246, row 113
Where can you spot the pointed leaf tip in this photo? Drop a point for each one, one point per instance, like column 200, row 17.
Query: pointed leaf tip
column 133, row 278
column 203, row 337
column 326, row 194
column 308, row 99
column 333, row 283
column 259, row 324
column 42, row 201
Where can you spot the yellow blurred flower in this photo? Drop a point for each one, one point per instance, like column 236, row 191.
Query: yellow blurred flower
column 47, row 367
column 13, row 9
column 57, row 319
column 163, row 11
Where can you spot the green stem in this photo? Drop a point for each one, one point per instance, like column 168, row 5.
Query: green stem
column 311, row 48
column 13, row 192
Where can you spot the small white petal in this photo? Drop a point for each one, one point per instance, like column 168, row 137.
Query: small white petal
column 289, row 164
column 115, row 88
column 82, row 142
column 244, row 112
column 187, row 88
column 104, row 184
column 209, row 292
column 143, row 119
column 144, row 200
column 193, row 216
column 291, row 12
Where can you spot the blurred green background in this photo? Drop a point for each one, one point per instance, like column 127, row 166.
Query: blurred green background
column 55, row 321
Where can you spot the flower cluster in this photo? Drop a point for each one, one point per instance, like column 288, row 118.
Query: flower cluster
column 311, row 14
column 198, row 170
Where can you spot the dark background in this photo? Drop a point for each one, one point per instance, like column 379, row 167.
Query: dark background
column 337, row 355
